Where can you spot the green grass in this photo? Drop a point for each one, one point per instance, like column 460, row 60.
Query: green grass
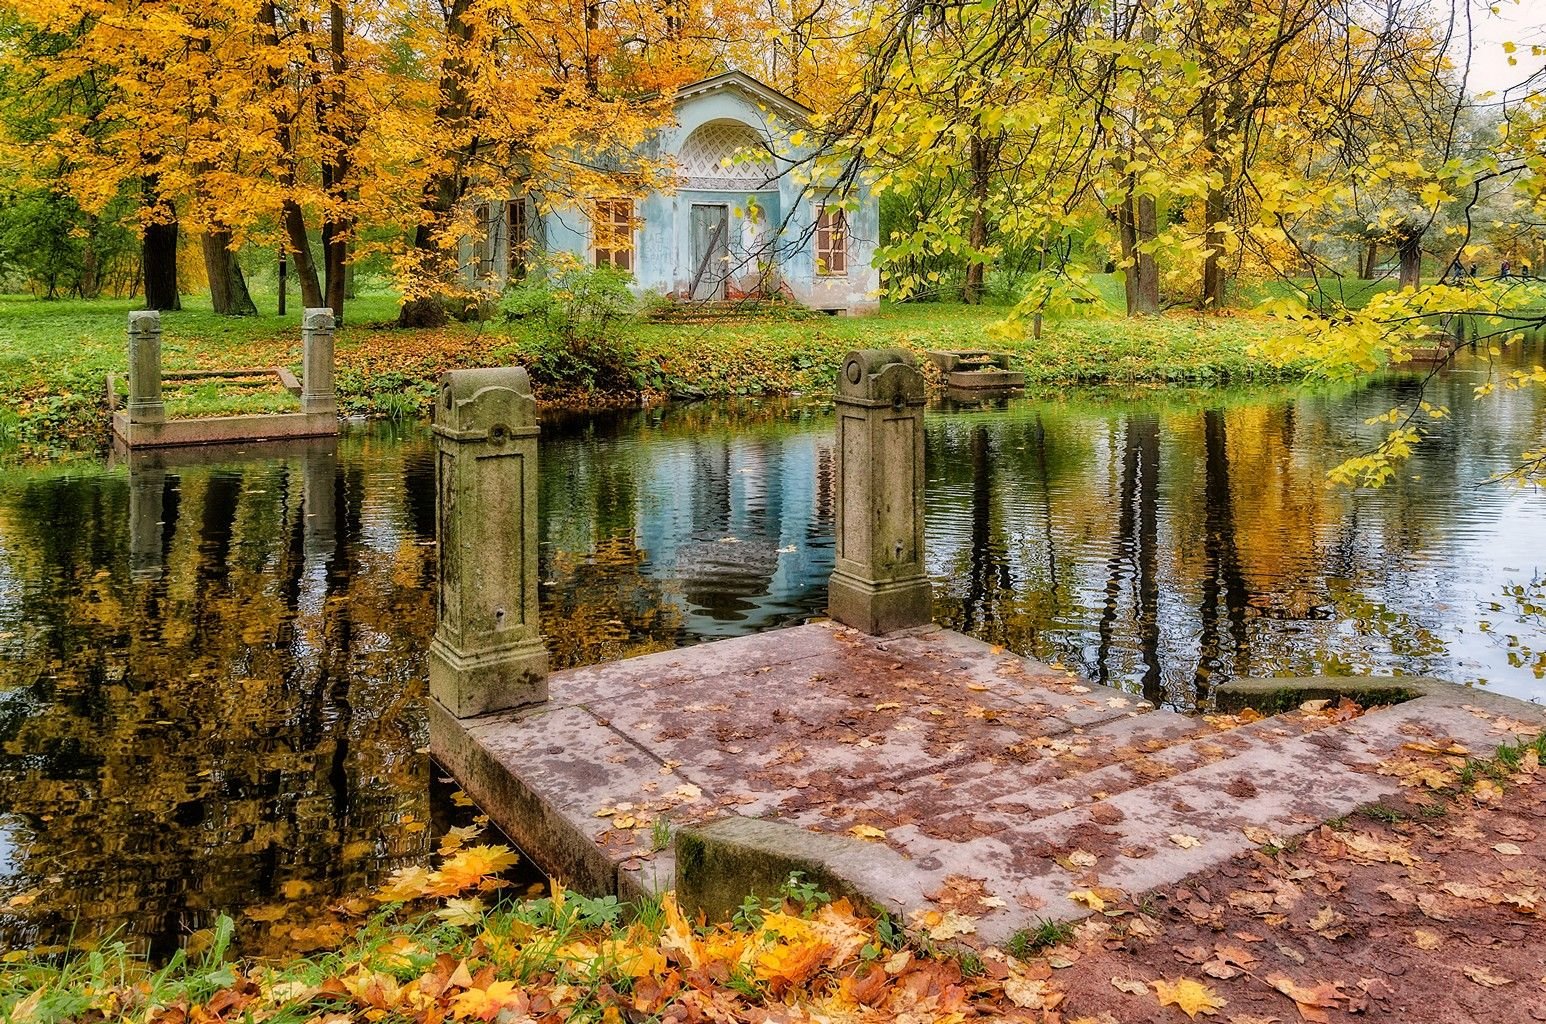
column 54, row 356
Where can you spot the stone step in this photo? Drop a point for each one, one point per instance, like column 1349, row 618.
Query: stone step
column 1275, row 778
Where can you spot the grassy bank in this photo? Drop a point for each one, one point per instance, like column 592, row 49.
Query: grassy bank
column 54, row 356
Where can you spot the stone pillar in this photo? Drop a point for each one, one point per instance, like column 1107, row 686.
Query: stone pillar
column 879, row 583
column 317, row 394
column 487, row 654
column 147, row 508
column 144, row 405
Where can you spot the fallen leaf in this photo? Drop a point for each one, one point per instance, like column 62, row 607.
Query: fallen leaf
column 867, row 832
column 1482, row 976
column 1186, row 842
column 1131, row 986
column 1088, row 898
column 1487, row 791
column 1508, row 849
column 1311, row 1000
column 1191, row 997
column 1424, row 939
column 952, row 924
column 1030, row 993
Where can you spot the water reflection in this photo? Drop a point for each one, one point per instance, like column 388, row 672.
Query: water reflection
column 212, row 661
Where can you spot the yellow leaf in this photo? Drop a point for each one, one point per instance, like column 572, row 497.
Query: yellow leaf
column 488, row 1003
column 867, row 832
column 465, row 913
column 1186, row 842
column 1088, row 898
column 1192, row 997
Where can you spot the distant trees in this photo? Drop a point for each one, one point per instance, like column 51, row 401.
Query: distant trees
column 1219, row 139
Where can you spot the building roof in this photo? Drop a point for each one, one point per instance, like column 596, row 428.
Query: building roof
column 741, row 80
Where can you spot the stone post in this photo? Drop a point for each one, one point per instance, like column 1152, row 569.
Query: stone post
column 317, row 394
column 487, row 654
column 879, row 583
column 144, row 405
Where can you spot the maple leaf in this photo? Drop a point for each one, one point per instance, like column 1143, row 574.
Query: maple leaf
column 790, row 962
column 488, row 1003
column 1186, row 842
column 467, row 913
column 867, row 832
column 1191, row 997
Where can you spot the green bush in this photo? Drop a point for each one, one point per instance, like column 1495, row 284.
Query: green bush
column 586, row 320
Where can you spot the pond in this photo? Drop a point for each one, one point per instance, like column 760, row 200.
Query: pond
column 212, row 662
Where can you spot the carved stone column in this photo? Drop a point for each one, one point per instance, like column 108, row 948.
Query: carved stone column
column 879, row 583
column 145, row 405
column 317, row 391
column 487, row 654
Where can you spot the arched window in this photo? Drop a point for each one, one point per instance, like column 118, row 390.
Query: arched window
column 726, row 156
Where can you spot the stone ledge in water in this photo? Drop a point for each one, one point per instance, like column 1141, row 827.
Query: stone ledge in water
column 1285, row 693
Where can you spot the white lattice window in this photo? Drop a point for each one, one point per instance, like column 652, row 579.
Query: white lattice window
column 726, row 155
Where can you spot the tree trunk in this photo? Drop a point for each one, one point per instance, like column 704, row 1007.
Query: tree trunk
column 433, row 265
column 1410, row 249
column 293, row 217
column 1128, row 233
column 301, row 260
column 90, row 284
column 977, row 237
column 1370, row 261
column 227, row 285
column 335, row 253
column 335, row 171
column 1214, row 211
column 1146, row 229
column 158, row 251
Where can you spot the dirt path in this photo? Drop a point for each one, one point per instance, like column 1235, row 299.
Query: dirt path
column 1426, row 907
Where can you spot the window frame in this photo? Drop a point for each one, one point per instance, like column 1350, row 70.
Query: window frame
column 518, row 233
column 626, row 226
column 831, row 240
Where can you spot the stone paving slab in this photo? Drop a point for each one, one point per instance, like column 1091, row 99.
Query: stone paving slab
column 980, row 768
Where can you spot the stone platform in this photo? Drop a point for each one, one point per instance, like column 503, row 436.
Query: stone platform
column 909, row 766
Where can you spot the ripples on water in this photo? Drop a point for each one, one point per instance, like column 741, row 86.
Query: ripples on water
column 212, row 666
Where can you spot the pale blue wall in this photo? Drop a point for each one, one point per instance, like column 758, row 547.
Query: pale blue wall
column 663, row 247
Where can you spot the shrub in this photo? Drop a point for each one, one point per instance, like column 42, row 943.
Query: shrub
column 585, row 320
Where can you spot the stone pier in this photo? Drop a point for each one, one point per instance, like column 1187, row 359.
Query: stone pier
column 143, row 422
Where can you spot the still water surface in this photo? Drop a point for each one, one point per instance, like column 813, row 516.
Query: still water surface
column 209, row 669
